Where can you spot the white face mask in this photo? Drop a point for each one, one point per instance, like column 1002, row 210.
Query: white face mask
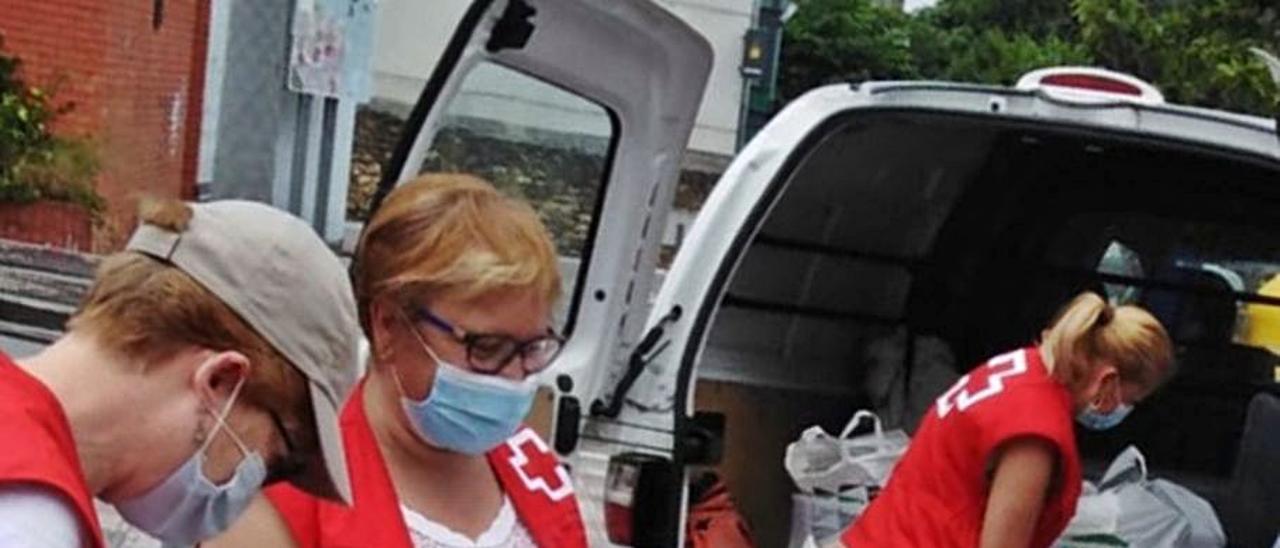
column 187, row 506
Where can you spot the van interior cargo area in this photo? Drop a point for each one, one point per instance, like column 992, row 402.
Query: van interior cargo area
column 971, row 232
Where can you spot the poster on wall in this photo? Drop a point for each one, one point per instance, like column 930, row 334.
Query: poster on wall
column 332, row 48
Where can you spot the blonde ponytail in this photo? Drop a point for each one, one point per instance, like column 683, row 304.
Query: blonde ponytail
column 1088, row 331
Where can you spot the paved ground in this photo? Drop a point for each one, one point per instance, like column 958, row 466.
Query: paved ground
column 39, row 287
column 18, row 348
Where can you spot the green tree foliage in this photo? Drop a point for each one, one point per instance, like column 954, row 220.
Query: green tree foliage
column 1196, row 51
column 24, row 112
column 842, row 40
column 1033, row 17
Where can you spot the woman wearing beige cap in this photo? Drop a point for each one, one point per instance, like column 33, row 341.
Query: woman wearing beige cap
column 455, row 284
column 206, row 361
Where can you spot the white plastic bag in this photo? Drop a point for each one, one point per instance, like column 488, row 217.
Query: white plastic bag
column 1094, row 524
column 838, row 476
column 810, row 543
column 823, row 517
column 821, row 463
column 1129, row 509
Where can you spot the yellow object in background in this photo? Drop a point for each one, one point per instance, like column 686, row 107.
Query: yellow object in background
column 1262, row 321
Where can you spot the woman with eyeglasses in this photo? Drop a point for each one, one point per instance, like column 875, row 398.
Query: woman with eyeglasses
column 455, row 285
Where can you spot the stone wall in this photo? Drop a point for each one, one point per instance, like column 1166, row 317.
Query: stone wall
column 561, row 183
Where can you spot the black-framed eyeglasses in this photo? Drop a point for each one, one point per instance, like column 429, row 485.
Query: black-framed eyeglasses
column 489, row 353
column 288, row 465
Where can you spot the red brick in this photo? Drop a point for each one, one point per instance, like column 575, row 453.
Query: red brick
column 136, row 89
column 60, row 225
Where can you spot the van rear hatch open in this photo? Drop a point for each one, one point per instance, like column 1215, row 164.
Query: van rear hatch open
column 964, row 217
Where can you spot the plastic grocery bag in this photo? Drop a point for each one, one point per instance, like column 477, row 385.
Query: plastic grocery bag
column 823, row 517
column 821, row 463
column 838, row 476
column 1094, row 524
column 1130, row 509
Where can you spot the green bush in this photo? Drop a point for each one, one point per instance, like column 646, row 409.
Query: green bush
column 35, row 164
column 1196, row 52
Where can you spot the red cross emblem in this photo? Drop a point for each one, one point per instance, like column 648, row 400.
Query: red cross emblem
column 541, row 474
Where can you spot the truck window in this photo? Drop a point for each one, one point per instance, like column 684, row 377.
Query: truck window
column 537, row 142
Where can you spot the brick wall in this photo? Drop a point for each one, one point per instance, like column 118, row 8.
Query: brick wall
column 136, row 89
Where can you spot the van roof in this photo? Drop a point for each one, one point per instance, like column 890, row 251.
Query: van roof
column 1253, row 135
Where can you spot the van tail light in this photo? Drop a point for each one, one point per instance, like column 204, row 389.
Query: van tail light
column 617, row 520
column 619, row 495
column 1089, row 84
column 642, row 497
column 1089, row 81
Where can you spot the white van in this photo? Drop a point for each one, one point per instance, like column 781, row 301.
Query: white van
column 864, row 212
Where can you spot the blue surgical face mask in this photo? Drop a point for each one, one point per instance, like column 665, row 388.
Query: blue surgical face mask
column 1094, row 419
column 188, row 507
column 468, row 412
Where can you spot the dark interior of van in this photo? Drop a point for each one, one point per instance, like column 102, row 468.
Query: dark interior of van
column 973, row 231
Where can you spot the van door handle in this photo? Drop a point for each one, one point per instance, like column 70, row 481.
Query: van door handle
column 639, row 359
column 568, row 417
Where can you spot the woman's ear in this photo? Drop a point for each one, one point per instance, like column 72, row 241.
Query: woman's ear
column 382, row 322
column 1106, row 388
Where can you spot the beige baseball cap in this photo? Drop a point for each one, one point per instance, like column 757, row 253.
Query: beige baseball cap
column 275, row 272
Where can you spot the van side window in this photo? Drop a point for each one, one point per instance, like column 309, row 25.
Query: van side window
column 537, row 142
column 1204, row 279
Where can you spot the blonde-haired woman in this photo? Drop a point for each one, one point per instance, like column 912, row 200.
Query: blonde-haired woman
column 455, row 285
column 994, row 462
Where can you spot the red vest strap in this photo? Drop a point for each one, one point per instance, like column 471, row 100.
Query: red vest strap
column 373, row 519
column 540, row 489
column 38, row 447
column 526, row 468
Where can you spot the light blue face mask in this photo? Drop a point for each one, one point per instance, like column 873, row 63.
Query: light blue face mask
column 468, row 412
column 1093, row 419
column 187, row 507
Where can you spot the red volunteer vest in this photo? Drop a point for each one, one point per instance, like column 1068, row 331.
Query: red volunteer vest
column 527, row 470
column 937, row 495
column 37, row 445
